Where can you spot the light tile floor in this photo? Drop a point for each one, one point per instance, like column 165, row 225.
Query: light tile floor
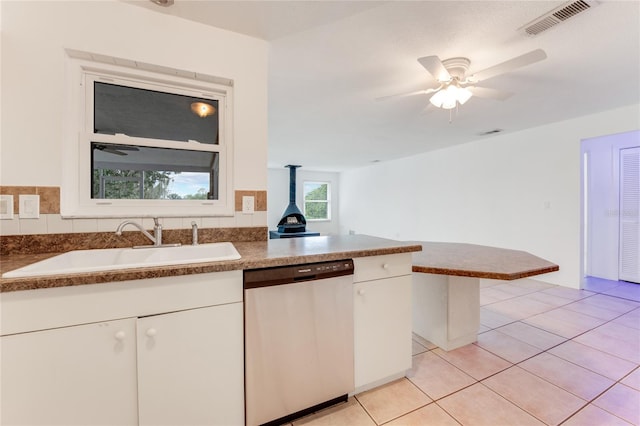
column 545, row 355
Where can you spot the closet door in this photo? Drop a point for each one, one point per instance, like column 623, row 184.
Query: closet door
column 630, row 214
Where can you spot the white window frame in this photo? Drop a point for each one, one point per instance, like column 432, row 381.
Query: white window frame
column 327, row 201
column 81, row 73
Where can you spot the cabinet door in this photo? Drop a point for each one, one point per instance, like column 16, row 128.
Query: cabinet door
column 191, row 366
column 382, row 329
column 80, row 375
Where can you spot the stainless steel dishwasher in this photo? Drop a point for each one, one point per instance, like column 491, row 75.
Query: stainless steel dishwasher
column 298, row 340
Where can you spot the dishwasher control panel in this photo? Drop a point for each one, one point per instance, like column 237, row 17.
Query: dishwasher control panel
column 323, row 268
column 254, row 278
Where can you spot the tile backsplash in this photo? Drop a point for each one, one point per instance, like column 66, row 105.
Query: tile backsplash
column 49, row 197
column 62, row 242
column 51, row 222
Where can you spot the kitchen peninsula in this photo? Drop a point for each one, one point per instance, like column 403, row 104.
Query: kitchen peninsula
column 143, row 338
column 446, row 287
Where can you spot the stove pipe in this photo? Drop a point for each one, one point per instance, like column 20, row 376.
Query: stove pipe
column 292, row 219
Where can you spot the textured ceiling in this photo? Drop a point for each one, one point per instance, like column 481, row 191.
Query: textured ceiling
column 268, row 20
column 329, row 61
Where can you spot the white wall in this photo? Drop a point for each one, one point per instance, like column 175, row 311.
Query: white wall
column 518, row 191
column 603, row 201
column 34, row 36
column 278, row 197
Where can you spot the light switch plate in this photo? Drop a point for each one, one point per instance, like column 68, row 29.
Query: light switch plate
column 29, row 206
column 6, row 206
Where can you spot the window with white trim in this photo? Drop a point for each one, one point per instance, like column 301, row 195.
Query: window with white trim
column 317, row 200
column 148, row 143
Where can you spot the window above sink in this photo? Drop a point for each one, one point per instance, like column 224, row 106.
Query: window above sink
column 148, row 140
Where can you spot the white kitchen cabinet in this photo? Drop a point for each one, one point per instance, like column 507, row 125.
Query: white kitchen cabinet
column 190, row 367
column 382, row 319
column 176, row 358
column 81, row 375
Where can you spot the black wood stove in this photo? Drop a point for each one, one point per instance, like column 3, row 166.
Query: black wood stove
column 292, row 224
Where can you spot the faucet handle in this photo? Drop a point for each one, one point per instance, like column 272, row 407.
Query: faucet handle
column 194, row 233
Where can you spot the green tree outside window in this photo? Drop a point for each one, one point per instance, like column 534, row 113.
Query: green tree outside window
column 316, row 200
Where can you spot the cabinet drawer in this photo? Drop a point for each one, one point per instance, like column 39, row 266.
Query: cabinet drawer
column 379, row 267
column 41, row 309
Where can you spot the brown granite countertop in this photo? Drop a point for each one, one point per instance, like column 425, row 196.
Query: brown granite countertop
column 261, row 254
column 470, row 260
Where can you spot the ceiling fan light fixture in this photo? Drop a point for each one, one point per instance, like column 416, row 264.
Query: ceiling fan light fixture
column 464, row 95
column 449, row 103
column 438, row 99
column 202, row 109
column 450, row 96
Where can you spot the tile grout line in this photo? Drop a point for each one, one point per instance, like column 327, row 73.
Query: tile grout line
column 476, row 382
column 401, row 415
column 528, row 294
column 435, row 401
column 587, row 402
column 450, row 415
column 512, row 364
column 365, row 409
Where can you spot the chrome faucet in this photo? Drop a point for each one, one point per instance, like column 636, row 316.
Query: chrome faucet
column 194, row 233
column 157, row 230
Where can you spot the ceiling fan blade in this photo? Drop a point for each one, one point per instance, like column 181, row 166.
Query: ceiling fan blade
column 485, row 92
column 404, row 95
column 510, row 65
column 434, row 65
column 114, row 151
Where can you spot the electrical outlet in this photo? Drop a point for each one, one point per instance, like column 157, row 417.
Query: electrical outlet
column 248, row 204
column 6, row 206
column 29, row 206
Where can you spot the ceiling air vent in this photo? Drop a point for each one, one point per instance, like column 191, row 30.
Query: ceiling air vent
column 556, row 16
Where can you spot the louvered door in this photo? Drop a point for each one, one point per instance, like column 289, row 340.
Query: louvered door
column 630, row 215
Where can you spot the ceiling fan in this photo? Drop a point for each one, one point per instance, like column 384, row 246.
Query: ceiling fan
column 456, row 85
column 115, row 149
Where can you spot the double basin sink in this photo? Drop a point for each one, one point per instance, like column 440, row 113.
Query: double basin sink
column 80, row 261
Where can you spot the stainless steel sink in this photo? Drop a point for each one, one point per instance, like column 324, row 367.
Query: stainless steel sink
column 122, row 258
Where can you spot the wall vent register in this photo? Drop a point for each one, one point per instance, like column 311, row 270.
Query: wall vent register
column 557, row 16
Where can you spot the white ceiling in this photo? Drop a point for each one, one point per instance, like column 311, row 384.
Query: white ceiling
column 330, row 60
